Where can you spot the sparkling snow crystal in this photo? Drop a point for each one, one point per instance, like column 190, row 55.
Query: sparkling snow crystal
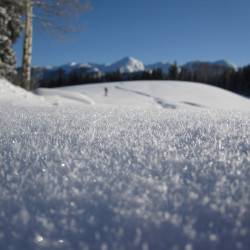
column 104, row 177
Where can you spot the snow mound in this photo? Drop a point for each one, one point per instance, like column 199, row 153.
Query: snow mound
column 14, row 95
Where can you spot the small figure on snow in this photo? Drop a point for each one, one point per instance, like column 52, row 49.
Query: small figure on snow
column 105, row 91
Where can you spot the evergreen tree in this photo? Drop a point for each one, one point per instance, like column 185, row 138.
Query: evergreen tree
column 146, row 75
column 173, row 72
column 10, row 28
column 157, row 74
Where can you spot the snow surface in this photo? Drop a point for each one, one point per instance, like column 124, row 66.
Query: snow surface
column 107, row 176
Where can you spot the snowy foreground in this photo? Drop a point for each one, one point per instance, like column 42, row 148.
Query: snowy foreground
column 79, row 171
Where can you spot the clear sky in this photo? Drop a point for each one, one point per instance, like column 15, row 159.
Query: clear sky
column 152, row 30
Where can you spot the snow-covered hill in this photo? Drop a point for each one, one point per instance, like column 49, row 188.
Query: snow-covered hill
column 167, row 172
column 161, row 94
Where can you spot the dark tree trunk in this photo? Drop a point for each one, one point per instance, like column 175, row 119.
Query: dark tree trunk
column 27, row 49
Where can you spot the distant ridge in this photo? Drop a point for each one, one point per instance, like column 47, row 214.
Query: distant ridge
column 132, row 65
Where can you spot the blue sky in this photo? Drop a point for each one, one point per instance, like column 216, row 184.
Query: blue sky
column 152, row 30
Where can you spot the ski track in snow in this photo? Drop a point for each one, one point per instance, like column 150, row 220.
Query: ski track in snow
column 157, row 100
column 110, row 178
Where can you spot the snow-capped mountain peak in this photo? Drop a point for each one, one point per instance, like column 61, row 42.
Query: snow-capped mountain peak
column 127, row 65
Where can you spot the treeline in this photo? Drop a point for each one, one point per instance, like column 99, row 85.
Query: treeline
column 59, row 78
column 237, row 81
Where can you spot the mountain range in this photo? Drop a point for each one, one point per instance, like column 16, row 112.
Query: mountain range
column 129, row 65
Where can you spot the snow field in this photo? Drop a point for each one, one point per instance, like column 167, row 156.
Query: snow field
column 151, row 166
column 111, row 178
